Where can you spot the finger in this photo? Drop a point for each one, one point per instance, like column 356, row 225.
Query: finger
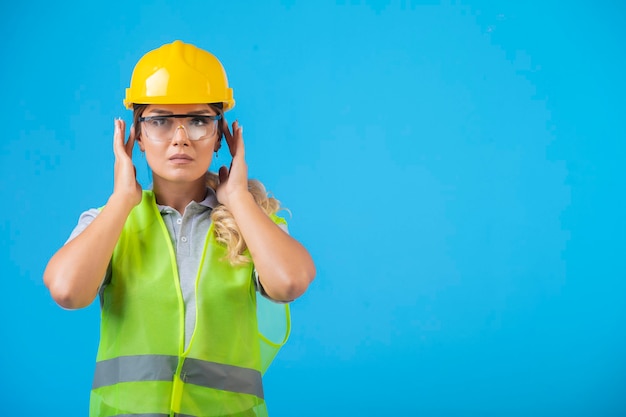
column 240, row 147
column 230, row 141
column 234, row 140
column 131, row 141
column 118, row 139
column 223, row 174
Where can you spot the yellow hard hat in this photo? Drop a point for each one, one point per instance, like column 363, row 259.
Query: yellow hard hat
column 179, row 73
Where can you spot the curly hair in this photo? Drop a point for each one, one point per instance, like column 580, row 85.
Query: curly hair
column 225, row 228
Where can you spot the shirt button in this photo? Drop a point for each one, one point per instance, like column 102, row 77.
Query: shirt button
column 179, row 221
column 183, row 239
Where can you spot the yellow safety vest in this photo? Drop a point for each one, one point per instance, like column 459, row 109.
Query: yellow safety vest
column 143, row 368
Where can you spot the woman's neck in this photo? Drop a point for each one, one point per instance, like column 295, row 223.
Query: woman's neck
column 178, row 195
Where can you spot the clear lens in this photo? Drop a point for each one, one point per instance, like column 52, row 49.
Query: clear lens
column 163, row 128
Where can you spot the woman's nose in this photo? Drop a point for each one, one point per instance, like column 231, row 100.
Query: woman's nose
column 180, row 135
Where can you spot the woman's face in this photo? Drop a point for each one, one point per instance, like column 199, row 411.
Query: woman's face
column 171, row 151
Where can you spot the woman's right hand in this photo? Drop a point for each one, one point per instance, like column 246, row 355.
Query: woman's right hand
column 125, row 185
column 75, row 272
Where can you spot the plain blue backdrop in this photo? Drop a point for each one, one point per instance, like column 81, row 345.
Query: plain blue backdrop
column 455, row 168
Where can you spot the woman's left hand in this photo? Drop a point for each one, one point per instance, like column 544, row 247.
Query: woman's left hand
column 233, row 180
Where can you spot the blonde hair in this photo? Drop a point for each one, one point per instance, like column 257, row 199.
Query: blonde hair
column 225, row 228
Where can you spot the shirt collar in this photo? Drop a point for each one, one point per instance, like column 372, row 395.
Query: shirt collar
column 210, row 201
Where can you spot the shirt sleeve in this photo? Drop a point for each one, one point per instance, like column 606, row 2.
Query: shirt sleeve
column 84, row 220
column 257, row 282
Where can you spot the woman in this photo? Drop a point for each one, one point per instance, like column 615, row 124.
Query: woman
column 177, row 267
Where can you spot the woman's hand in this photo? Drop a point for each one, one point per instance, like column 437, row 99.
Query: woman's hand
column 125, row 185
column 284, row 266
column 233, row 181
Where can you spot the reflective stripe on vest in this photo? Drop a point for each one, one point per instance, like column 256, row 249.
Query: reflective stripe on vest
column 146, row 415
column 134, row 368
column 221, row 376
column 162, row 368
column 152, row 415
column 251, row 413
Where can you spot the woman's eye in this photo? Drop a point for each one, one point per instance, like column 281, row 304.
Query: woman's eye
column 158, row 122
column 199, row 121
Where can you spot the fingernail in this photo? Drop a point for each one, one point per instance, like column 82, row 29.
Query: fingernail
column 240, row 129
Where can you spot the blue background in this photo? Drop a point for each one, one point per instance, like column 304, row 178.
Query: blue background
column 456, row 170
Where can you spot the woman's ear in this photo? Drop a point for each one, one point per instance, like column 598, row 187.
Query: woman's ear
column 139, row 142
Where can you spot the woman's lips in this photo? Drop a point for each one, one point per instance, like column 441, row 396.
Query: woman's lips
column 180, row 158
